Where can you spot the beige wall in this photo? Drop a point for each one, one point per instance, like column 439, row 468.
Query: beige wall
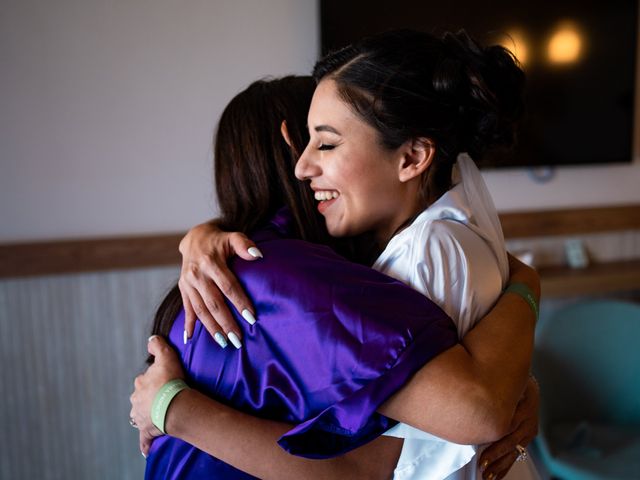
column 107, row 108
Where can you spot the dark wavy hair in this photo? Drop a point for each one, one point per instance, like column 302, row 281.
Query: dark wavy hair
column 254, row 168
column 450, row 89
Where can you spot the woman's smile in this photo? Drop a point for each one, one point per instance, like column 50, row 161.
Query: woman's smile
column 323, row 195
column 325, row 199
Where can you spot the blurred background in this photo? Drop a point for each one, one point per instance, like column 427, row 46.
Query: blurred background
column 107, row 111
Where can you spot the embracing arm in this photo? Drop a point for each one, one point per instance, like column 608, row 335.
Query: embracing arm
column 473, row 388
column 249, row 443
column 244, row 441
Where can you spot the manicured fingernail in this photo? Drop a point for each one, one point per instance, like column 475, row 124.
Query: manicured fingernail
column 144, row 456
column 152, row 337
column 484, row 465
column 234, row 339
column 220, row 340
column 248, row 316
column 255, row 252
column 185, row 337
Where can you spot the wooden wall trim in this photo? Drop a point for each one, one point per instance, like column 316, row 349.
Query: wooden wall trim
column 599, row 279
column 570, row 221
column 43, row 258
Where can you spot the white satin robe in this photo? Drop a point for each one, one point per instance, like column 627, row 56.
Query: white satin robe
column 454, row 253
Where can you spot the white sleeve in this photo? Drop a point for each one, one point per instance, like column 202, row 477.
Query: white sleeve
column 456, row 269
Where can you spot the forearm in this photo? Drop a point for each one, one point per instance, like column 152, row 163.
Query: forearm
column 469, row 393
column 449, row 398
column 249, row 443
column 501, row 345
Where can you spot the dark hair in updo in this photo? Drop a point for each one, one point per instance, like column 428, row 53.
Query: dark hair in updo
column 450, row 89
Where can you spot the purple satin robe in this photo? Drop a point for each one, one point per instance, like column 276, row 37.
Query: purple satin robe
column 333, row 341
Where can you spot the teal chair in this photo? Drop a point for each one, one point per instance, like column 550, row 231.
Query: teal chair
column 587, row 361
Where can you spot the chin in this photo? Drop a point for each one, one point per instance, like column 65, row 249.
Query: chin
column 338, row 230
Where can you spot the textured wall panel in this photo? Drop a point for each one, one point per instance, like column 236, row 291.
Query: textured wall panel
column 70, row 347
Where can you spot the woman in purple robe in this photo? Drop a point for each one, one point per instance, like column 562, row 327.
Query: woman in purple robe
column 333, row 342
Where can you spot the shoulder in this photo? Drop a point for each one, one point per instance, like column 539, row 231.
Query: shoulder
column 311, row 279
column 454, row 249
column 427, row 251
column 446, row 241
column 456, row 268
column 303, row 261
column 313, row 273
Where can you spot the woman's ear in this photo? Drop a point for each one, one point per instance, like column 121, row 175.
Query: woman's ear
column 417, row 155
column 285, row 132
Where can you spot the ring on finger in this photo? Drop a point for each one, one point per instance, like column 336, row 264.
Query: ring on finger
column 522, row 453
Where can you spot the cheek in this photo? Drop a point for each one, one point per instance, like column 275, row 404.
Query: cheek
column 374, row 184
column 367, row 203
column 359, row 170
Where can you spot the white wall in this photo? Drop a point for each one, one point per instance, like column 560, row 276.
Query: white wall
column 107, row 108
column 570, row 187
column 107, row 111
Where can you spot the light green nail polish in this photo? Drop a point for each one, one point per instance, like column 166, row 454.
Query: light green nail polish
column 220, row 340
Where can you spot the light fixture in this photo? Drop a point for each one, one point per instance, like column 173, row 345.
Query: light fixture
column 565, row 45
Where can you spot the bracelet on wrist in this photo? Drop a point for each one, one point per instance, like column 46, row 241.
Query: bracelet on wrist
column 525, row 292
column 163, row 399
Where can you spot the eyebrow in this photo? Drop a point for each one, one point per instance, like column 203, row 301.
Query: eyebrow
column 326, row 128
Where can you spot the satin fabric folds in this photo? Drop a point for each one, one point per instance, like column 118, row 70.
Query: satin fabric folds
column 332, row 342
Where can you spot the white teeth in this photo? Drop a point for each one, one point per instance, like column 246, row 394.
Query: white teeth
column 323, row 195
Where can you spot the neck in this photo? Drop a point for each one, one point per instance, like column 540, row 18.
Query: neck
column 401, row 221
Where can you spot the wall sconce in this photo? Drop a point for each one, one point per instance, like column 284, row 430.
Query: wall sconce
column 565, row 45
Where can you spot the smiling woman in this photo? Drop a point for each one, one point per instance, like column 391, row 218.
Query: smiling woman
column 355, row 351
column 400, row 125
column 373, row 189
column 391, row 121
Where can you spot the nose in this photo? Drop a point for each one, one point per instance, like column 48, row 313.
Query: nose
column 307, row 166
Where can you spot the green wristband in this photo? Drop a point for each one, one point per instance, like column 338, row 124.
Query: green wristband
column 526, row 293
column 163, row 399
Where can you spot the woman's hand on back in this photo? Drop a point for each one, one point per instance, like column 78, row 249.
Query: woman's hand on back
column 166, row 367
column 205, row 279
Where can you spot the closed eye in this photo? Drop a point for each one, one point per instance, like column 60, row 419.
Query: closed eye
column 325, row 146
